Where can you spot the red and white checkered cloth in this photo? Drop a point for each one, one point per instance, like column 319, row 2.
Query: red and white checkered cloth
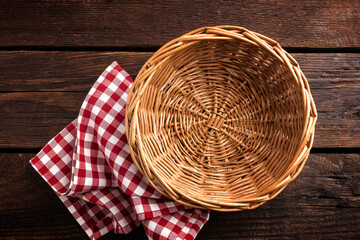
column 89, row 166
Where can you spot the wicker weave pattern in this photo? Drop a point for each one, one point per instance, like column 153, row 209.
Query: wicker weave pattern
column 220, row 118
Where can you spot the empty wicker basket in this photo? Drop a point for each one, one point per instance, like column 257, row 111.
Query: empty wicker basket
column 220, row 118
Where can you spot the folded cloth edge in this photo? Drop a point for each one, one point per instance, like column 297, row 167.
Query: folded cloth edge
column 63, row 155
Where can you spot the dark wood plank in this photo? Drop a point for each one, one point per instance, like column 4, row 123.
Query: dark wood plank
column 322, row 203
column 106, row 23
column 38, row 100
column 335, row 85
column 61, row 71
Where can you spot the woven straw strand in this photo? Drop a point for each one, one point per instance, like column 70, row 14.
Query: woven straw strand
column 220, row 118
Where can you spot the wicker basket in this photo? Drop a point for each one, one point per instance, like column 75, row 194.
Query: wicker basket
column 220, row 118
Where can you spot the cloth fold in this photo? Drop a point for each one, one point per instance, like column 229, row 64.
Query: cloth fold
column 88, row 165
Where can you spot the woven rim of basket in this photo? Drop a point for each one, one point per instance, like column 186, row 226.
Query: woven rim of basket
column 212, row 34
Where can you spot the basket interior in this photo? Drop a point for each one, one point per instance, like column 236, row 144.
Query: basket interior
column 221, row 120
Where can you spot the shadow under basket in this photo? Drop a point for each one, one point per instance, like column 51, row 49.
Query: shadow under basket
column 220, row 118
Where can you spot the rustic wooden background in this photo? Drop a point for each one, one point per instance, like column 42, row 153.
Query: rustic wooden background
column 51, row 52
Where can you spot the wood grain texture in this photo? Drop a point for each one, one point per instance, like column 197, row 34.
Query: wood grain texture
column 107, row 23
column 38, row 100
column 322, row 203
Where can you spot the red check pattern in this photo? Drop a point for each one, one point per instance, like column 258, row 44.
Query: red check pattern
column 89, row 167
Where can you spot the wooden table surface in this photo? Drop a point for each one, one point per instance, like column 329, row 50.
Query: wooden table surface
column 51, row 52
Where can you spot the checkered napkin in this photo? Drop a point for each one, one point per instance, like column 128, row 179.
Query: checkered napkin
column 89, row 167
